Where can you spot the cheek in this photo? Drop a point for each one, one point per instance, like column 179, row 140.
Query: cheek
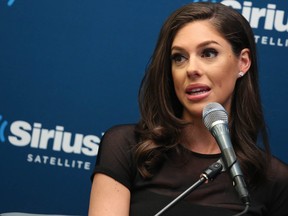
column 178, row 79
column 226, row 74
column 219, row 83
column 225, row 79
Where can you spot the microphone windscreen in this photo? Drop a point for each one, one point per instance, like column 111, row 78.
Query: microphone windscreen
column 213, row 112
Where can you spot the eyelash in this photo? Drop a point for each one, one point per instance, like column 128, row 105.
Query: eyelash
column 176, row 57
column 209, row 53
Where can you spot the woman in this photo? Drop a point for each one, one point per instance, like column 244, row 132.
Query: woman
column 205, row 53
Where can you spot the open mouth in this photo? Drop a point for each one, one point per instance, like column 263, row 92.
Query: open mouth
column 197, row 91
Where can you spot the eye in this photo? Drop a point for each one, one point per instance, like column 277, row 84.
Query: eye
column 209, row 53
column 178, row 58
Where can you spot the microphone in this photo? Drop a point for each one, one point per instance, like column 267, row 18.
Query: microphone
column 215, row 119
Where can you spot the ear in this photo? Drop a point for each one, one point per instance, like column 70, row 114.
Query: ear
column 244, row 61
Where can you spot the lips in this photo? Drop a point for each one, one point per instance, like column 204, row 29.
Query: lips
column 197, row 92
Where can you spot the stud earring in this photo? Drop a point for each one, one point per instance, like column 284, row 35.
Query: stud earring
column 241, row 74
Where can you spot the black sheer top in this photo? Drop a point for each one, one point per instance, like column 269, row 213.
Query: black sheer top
column 179, row 172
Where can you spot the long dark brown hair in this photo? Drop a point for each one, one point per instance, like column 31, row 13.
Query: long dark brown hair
column 160, row 126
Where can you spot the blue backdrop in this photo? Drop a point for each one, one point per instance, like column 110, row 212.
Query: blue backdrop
column 70, row 69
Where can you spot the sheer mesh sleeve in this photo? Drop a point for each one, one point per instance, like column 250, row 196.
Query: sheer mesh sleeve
column 278, row 189
column 114, row 158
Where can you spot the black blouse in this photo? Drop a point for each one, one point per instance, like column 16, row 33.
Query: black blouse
column 179, row 172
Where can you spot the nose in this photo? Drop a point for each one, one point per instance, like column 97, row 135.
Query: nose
column 193, row 70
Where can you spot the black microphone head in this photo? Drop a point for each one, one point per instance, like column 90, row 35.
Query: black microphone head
column 213, row 112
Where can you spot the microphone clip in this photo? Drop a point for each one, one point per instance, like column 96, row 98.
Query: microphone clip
column 213, row 170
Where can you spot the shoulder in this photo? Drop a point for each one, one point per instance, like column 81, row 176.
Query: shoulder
column 278, row 170
column 120, row 132
column 276, row 189
column 119, row 136
column 115, row 156
column 277, row 177
column 121, row 129
column 116, row 146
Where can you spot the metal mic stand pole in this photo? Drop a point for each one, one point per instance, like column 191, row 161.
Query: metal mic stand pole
column 209, row 174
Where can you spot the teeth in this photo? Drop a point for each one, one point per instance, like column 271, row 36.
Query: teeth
column 198, row 91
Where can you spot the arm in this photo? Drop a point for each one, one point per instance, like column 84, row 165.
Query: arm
column 108, row 197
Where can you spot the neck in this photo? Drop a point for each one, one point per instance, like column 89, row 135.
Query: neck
column 197, row 138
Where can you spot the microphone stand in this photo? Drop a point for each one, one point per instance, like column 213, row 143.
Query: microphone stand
column 208, row 175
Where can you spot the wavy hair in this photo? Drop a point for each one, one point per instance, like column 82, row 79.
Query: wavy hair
column 160, row 125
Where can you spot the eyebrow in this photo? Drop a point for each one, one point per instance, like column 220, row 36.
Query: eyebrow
column 205, row 43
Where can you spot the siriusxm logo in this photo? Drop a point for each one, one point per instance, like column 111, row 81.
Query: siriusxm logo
column 270, row 16
column 3, row 125
column 24, row 134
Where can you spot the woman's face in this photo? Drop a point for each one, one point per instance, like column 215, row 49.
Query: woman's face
column 204, row 68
